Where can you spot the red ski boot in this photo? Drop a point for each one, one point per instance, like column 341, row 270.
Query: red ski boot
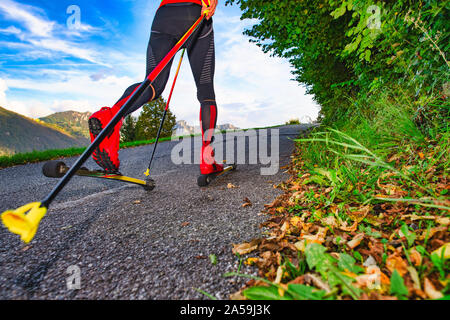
column 107, row 153
column 208, row 164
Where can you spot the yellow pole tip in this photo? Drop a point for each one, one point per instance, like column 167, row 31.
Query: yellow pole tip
column 25, row 220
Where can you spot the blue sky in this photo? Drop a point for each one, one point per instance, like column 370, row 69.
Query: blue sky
column 46, row 66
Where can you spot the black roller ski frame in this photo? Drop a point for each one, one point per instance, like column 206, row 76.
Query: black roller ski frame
column 57, row 169
column 205, row 180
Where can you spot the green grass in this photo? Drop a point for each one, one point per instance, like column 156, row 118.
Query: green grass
column 379, row 159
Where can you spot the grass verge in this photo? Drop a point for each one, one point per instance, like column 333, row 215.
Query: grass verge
column 364, row 215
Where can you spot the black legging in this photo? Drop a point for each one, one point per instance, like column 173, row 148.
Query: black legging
column 170, row 23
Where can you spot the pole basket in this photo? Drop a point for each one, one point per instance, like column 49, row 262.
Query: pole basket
column 25, row 220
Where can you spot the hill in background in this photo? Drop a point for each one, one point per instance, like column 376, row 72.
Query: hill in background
column 19, row 134
column 74, row 123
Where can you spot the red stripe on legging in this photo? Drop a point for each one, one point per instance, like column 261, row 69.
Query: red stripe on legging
column 212, row 120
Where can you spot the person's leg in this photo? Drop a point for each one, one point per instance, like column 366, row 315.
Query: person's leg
column 202, row 59
column 107, row 154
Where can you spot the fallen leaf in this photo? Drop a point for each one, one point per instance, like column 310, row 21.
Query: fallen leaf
column 415, row 277
column 285, row 227
column 316, row 281
column 431, row 291
column 355, row 241
column 330, row 221
column 237, row 296
column 245, row 248
column 359, row 215
column 319, row 237
column 394, row 262
column 415, row 257
column 251, row 261
column 247, row 203
column 296, row 222
column 352, row 228
column 443, row 220
column 231, row 186
column 301, row 245
column 370, row 262
column 201, row 257
column 137, row 202
column 444, row 249
column 185, row 224
column 280, row 272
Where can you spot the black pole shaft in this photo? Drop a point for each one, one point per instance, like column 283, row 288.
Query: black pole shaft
column 157, row 140
column 88, row 152
column 115, row 120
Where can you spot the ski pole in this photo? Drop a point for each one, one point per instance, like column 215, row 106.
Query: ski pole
column 25, row 220
column 147, row 173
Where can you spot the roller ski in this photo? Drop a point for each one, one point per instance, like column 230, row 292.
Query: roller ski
column 57, row 169
column 209, row 168
column 205, row 180
column 24, row 221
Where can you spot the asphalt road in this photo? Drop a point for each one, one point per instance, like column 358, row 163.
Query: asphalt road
column 131, row 244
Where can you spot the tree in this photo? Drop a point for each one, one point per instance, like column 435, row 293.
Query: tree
column 149, row 121
column 346, row 50
column 128, row 131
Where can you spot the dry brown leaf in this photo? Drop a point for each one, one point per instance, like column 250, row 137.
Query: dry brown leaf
column 231, row 186
column 296, row 222
column 431, row 232
column 352, row 244
column 415, row 277
column 319, row 237
column 415, row 257
column 352, row 228
column 359, row 215
column 317, row 282
column 185, row 224
column 431, row 291
column 394, row 262
column 251, row 261
column 26, row 248
column 245, row 248
column 445, row 221
column 247, row 203
column 301, row 245
column 237, row 296
column 280, row 272
column 330, row 221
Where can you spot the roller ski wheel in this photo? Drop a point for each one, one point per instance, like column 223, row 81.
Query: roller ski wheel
column 205, row 180
column 54, row 169
column 149, row 185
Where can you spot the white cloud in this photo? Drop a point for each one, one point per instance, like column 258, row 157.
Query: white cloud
column 42, row 34
column 36, row 25
column 66, row 47
column 252, row 88
column 10, row 30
